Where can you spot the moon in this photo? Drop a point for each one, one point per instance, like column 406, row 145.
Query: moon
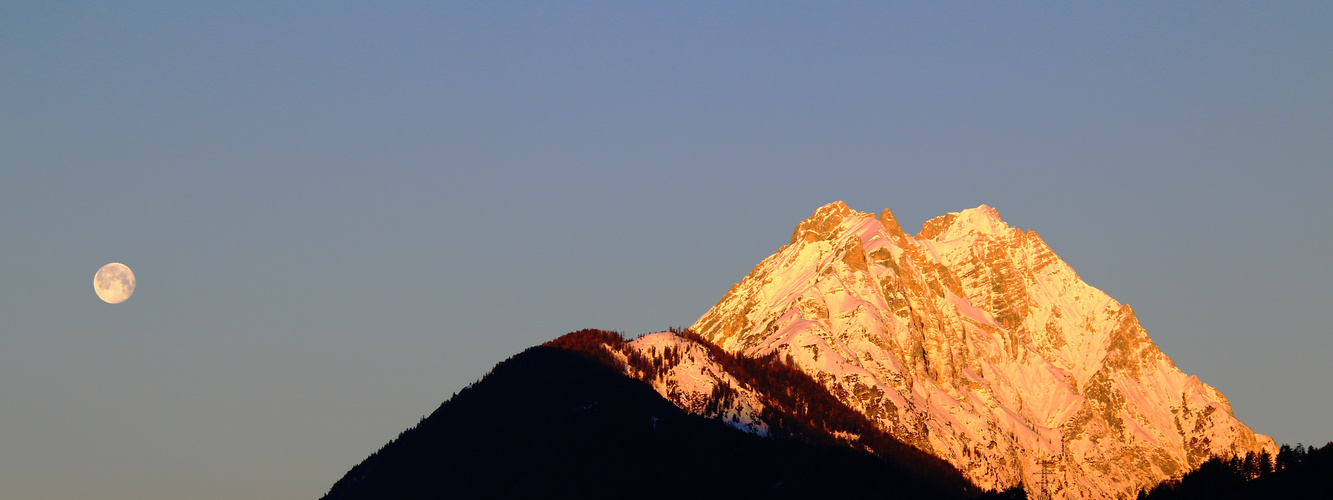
column 114, row 283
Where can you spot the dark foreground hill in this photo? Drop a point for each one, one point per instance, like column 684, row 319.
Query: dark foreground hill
column 549, row 423
column 1300, row 472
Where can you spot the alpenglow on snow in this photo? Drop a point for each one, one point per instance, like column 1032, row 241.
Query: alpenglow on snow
column 974, row 342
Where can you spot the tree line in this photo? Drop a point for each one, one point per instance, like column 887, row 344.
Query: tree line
column 1296, row 472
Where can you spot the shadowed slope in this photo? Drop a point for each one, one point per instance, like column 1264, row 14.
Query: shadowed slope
column 784, row 401
column 552, row 423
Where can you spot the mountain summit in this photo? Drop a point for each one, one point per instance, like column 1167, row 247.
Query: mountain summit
column 857, row 362
column 974, row 342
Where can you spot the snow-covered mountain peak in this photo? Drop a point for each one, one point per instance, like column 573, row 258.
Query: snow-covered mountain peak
column 974, row 341
column 982, row 220
column 892, row 226
column 824, row 223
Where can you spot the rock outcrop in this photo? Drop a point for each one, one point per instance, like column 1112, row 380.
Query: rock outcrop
column 975, row 342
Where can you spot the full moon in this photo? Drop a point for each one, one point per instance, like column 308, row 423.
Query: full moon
column 114, row 283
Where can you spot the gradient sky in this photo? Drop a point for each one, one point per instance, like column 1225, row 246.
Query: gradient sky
column 341, row 214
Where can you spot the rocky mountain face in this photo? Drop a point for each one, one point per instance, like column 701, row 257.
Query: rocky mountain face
column 970, row 340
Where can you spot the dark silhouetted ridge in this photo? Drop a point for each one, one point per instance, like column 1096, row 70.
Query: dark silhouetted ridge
column 552, row 423
column 795, row 405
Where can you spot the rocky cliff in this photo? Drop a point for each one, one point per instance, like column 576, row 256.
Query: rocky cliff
column 973, row 341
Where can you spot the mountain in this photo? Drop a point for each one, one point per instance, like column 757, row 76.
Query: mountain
column 858, row 361
column 563, row 421
column 974, row 342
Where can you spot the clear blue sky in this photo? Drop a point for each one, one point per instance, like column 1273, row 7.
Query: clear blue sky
column 340, row 214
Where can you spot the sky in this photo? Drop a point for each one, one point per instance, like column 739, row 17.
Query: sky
column 342, row 213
